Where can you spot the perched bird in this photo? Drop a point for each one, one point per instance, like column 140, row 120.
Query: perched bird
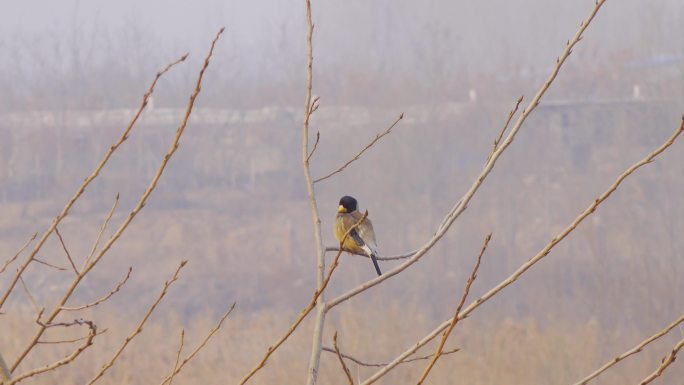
column 361, row 240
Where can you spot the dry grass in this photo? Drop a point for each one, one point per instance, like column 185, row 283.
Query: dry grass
column 494, row 351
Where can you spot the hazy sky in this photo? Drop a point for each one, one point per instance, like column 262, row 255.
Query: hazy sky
column 524, row 30
column 403, row 42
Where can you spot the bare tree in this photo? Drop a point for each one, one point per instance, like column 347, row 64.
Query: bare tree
column 46, row 318
column 500, row 144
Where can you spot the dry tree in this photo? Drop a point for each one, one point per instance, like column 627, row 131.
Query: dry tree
column 501, row 143
column 47, row 318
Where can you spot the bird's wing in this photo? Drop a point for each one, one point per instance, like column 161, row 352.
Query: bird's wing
column 366, row 233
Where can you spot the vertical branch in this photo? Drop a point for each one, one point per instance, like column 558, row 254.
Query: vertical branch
column 317, row 343
column 455, row 319
column 178, row 354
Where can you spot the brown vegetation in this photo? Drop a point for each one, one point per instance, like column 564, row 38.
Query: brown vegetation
column 233, row 204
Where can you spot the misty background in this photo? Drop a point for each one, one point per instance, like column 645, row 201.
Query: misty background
column 233, row 200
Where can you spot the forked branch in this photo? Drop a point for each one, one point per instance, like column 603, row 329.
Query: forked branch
column 358, row 155
column 669, row 359
column 319, row 291
column 86, row 182
column 381, row 364
column 539, row 256
column 139, row 206
column 138, row 328
column 462, row 204
column 199, row 347
column 630, row 352
column 106, row 297
column 64, row 361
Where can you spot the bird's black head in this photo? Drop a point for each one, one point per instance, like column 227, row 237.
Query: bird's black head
column 347, row 204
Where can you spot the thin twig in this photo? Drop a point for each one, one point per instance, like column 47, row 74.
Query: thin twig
column 102, row 230
column 59, row 342
column 200, row 346
column 65, row 360
column 138, row 328
column 393, row 258
column 358, row 155
column 315, row 146
column 9, row 261
column 630, row 352
column 505, row 127
column 86, row 182
column 666, row 362
column 539, row 256
column 106, row 297
column 49, row 264
column 180, row 349
column 139, row 206
column 339, row 358
column 455, row 319
column 314, row 105
column 306, row 310
column 29, row 295
column 381, row 364
column 66, row 251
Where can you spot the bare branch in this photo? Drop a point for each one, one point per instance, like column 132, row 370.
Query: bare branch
column 66, row 360
column 9, row 261
column 505, row 127
column 666, row 362
column 141, row 203
column 66, row 251
column 358, row 155
column 200, row 346
column 455, row 319
column 106, row 297
column 317, row 336
column 315, row 146
column 86, row 182
column 462, row 204
column 306, row 310
column 630, row 352
column 393, row 258
column 102, row 229
column 540, row 255
column 59, row 342
column 339, row 358
column 29, row 295
column 139, row 328
column 381, row 364
column 180, row 349
column 49, row 264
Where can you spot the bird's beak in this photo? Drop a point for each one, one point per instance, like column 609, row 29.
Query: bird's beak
column 341, row 209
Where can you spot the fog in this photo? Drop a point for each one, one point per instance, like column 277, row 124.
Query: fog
column 233, row 200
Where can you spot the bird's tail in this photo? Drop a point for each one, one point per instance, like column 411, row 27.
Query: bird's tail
column 374, row 258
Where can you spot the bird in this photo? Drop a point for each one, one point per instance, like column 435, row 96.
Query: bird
column 361, row 240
